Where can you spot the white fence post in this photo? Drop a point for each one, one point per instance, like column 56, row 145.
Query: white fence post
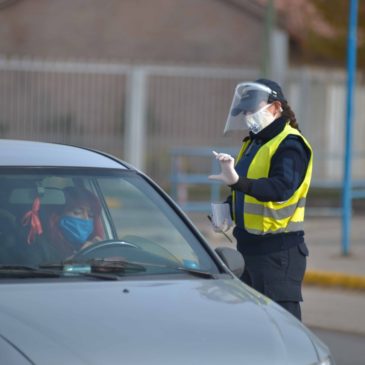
column 279, row 50
column 136, row 111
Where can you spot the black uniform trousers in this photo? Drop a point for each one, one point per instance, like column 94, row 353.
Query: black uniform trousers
column 279, row 275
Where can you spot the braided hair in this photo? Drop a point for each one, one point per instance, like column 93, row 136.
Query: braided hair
column 289, row 115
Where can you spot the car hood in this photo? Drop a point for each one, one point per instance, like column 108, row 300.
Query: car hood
column 155, row 322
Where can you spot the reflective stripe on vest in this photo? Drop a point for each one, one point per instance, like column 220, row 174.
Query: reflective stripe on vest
column 280, row 213
column 275, row 217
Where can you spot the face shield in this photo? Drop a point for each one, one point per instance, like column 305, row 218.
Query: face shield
column 249, row 97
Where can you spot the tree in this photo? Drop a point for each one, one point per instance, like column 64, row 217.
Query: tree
column 332, row 48
column 318, row 30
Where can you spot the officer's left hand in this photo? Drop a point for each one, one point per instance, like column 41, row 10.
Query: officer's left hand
column 228, row 174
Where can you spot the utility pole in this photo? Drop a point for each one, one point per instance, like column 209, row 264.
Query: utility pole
column 269, row 27
column 347, row 193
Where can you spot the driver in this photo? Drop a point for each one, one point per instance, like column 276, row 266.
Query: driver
column 78, row 225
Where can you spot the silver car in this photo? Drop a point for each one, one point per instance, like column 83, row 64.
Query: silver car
column 99, row 266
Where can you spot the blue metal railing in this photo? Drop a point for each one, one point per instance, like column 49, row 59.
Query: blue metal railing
column 181, row 180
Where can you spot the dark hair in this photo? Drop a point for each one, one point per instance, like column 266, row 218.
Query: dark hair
column 76, row 196
column 289, row 115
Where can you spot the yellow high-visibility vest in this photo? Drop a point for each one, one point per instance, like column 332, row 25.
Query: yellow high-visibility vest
column 274, row 217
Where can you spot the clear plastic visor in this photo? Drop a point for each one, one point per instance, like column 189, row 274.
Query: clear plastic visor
column 248, row 98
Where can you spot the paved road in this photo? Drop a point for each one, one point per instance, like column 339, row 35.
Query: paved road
column 334, row 309
column 347, row 349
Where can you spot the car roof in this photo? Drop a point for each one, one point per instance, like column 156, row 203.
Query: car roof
column 31, row 153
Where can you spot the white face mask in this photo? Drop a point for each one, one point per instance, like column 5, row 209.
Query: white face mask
column 257, row 121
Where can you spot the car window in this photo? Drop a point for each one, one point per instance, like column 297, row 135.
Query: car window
column 140, row 215
column 49, row 216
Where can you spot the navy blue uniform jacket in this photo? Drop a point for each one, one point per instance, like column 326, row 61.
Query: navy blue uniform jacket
column 287, row 171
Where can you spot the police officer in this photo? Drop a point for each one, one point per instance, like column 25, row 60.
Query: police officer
column 269, row 184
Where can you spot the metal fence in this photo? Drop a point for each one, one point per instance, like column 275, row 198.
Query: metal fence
column 141, row 113
column 63, row 102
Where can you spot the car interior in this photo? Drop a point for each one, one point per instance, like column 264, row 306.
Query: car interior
column 136, row 224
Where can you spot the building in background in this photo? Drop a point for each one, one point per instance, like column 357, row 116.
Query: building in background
column 139, row 78
column 208, row 32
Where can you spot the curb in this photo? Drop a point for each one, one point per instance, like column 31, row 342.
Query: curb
column 334, row 279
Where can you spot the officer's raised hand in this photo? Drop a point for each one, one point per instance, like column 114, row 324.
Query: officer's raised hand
column 228, row 174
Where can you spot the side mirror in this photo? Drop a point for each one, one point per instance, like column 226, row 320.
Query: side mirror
column 233, row 259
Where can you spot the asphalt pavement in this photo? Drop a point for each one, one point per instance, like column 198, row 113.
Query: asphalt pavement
column 334, row 286
column 334, row 290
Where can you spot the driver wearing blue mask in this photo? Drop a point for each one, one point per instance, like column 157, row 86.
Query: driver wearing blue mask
column 78, row 225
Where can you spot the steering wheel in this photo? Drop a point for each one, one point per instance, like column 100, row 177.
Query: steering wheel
column 143, row 250
column 106, row 245
column 153, row 248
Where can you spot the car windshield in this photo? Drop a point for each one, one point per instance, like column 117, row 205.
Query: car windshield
column 82, row 221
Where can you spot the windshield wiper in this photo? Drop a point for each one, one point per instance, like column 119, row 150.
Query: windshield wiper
column 199, row 273
column 23, row 271
column 78, row 270
column 108, row 265
column 102, row 268
column 98, row 268
column 17, row 267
